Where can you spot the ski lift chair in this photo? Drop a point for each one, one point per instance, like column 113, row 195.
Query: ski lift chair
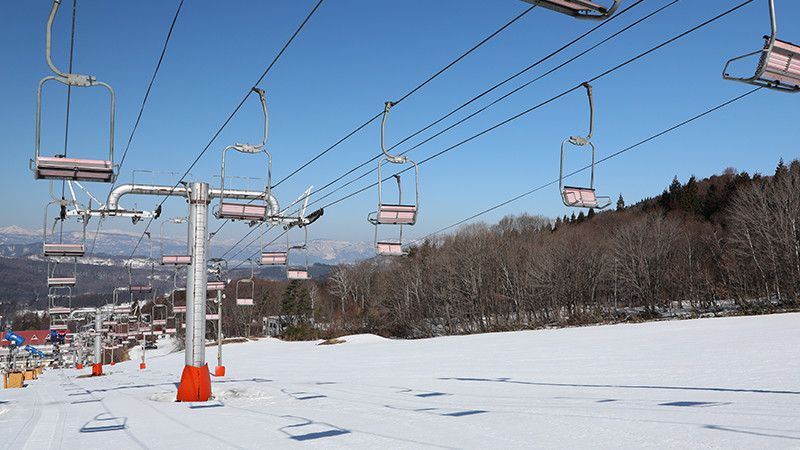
column 61, row 280
column 582, row 197
column 393, row 214
column 297, row 272
column 580, row 9
column 779, row 65
column 393, row 247
column 59, row 307
column 60, row 167
column 140, row 288
column 171, row 326
column 254, row 212
column 61, row 249
column 271, row 258
column 173, row 259
column 162, row 321
column 219, row 267
column 246, row 298
column 176, row 309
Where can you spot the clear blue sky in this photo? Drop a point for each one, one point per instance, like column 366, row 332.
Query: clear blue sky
column 350, row 58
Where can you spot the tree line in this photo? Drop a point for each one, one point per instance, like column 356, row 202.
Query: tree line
column 730, row 241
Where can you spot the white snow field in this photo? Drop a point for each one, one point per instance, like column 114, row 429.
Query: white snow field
column 706, row 383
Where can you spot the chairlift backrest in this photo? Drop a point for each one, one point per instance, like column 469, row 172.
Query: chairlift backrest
column 580, row 9
column 779, row 65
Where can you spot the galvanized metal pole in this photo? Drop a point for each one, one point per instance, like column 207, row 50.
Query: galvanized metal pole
column 219, row 329
column 196, row 281
column 98, row 324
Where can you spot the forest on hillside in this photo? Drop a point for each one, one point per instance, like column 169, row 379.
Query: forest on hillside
column 729, row 241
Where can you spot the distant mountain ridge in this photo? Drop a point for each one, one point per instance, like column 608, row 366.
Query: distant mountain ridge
column 17, row 242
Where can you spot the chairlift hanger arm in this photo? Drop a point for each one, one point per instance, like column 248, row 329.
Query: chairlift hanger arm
column 397, row 159
column 578, row 140
column 251, row 148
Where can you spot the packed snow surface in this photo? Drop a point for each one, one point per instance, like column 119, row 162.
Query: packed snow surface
column 722, row 383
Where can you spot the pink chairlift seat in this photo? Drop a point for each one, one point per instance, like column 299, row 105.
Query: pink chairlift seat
column 273, row 258
column 53, row 168
column 396, row 214
column 782, row 63
column 582, row 197
column 215, row 286
column 64, row 250
column 176, row 260
column 144, row 289
column 61, row 282
column 244, row 301
column 297, row 274
column 242, row 211
column 389, row 249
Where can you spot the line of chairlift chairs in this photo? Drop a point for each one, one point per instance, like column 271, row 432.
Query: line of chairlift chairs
column 778, row 68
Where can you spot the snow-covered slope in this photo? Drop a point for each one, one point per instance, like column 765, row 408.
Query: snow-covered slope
column 724, row 383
